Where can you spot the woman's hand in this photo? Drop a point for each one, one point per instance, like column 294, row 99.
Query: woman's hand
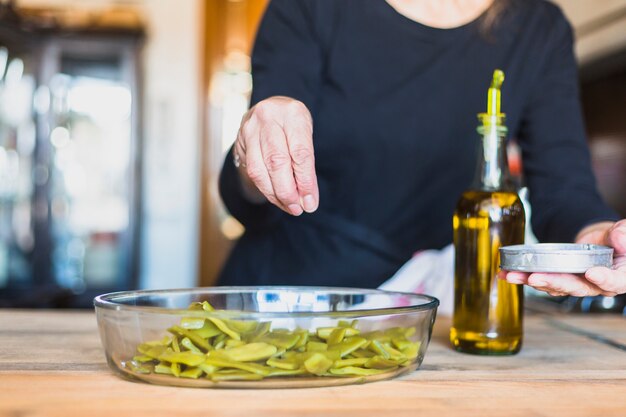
column 596, row 281
column 274, row 154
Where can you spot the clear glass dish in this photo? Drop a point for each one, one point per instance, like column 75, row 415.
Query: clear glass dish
column 128, row 319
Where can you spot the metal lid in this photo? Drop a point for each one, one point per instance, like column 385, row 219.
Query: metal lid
column 555, row 257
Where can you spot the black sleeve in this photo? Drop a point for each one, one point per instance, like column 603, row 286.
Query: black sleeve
column 556, row 157
column 286, row 61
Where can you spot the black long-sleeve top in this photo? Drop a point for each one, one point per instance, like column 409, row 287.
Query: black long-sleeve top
column 393, row 104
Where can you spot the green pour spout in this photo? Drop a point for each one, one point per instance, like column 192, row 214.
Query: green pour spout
column 493, row 116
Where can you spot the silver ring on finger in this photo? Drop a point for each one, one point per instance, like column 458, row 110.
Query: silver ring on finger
column 237, row 160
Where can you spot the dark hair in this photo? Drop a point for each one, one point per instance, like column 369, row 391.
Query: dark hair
column 492, row 16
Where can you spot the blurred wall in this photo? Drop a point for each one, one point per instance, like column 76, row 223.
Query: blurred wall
column 230, row 28
column 599, row 26
column 172, row 61
column 171, row 142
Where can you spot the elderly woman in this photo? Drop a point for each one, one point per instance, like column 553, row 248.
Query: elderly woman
column 362, row 137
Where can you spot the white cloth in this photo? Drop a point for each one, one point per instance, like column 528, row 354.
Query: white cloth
column 429, row 272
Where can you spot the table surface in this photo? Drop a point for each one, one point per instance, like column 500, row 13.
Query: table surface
column 52, row 364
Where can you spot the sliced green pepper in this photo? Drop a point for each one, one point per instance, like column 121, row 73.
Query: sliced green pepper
column 318, row 364
column 316, row 347
column 246, row 350
column 342, row 363
column 251, row 352
column 362, row 353
column 186, row 358
column 241, row 326
column 162, row 368
column 288, row 364
column 189, row 345
column 337, row 335
column 378, row 362
column 281, row 340
column 192, row 322
column 152, row 351
column 349, row 345
column 194, row 373
column 224, row 328
column 224, row 362
column 207, row 330
column 197, row 340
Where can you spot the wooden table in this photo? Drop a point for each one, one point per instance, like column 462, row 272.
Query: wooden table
column 51, row 364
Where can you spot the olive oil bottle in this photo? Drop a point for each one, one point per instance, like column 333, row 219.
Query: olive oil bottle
column 487, row 311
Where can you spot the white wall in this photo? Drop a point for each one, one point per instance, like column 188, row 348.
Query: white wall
column 171, row 143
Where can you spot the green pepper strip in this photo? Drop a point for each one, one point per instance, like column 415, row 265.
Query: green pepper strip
column 337, row 335
column 316, row 347
column 232, row 343
column 261, row 329
column 175, row 345
column 342, row 363
column 186, row 358
column 138, row 367
column 380, row 363
column 224, row 328
column 251, row 352
column 287, row 364
column 192, row 322
column 412, row 351
column 241, row 326
column 165, row 341
column 362, row 353
column 377, row 347
column 161, row 368
column 400, row 343
column 302, row 341
column 324, row 332
column 281, row 340
column 318, row 364
column 207, row 307
column 197, row 340
column 223, row 362
column 194, row 373
column 207, row 331
column 287, row 372
column 152, row 351
column 208, row 369
column 190, row 346
column 349, row 345
column 175, row 369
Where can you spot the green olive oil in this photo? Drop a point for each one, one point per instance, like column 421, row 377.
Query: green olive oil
column 488, row 312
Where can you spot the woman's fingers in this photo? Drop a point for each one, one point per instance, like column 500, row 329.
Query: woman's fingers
column 257, row 172
column 616, row 238
column 569, row 284
column 277, row 161
column 274, row 150
column 513, row 277
column 299, row 134
column 610, row 281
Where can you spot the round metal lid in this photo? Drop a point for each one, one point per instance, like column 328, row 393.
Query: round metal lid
column 555, row 257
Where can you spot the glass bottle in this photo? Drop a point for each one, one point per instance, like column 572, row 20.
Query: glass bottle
column 487, row 311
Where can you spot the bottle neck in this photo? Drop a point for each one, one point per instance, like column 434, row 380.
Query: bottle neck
column 493, row 169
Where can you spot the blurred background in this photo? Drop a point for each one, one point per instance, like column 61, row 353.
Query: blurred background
column 114, row 119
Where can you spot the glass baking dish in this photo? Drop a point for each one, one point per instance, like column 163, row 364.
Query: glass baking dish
column 288, row 325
